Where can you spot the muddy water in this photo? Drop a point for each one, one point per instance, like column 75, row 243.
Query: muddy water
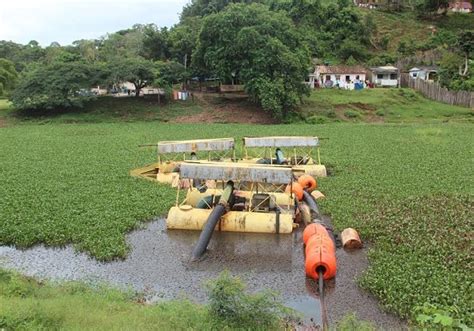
column 158, row 265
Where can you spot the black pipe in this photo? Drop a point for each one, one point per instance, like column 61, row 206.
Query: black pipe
column 313, row 206
column 211, row 222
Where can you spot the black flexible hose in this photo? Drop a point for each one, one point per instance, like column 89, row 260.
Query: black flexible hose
column 313, row 206
column 207, row 231
column 324, row 312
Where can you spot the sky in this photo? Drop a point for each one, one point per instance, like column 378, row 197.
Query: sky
column 65, row 21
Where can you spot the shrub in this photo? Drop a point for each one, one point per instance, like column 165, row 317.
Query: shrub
column 352, row 114
column 408, row 94
column 351, row 322
column 317, row 120
column 380, row 112
column 230, row 305
column 430, row 317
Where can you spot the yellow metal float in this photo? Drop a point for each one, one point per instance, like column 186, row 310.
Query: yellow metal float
column 247, row 208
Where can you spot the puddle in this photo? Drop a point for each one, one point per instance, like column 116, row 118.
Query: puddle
column 158, row 265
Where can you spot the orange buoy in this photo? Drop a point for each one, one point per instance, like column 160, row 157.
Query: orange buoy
column 320, row 252
column 297, row 190
column 308, row 183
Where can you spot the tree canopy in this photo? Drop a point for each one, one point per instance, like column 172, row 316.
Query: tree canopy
column 58, row 85
column 137, row 71
column 8, row 75
column 261, row 48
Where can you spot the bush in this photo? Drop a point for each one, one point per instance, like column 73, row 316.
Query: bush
column 380, row 112
column 351, row 322
column 317, row 120
column 430, row 317
column 230, row 305
column 352, row 114
column 407, row 94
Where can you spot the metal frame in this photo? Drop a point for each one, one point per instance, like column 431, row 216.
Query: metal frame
column 293, row 145
column 259, row 177
column 175, row 151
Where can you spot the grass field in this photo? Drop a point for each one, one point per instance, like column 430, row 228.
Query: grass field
column 379, row 105
column 407, row 188
column 104, row 109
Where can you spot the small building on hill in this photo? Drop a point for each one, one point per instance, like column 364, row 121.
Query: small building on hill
column 337, row 76
column 460, row 6
column 385, row 76
column 427, row 73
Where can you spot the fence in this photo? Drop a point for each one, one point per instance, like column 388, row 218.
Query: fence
column 434, row 91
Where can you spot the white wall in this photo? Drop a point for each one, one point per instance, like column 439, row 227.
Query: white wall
column 384, row 79
column 342, row 78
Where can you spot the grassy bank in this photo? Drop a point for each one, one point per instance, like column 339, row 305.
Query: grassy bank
column 407, row 188
column 379, row 105
column 104, row 109
column 26, row 304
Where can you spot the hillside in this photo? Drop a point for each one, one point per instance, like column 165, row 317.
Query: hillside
column 378, row 105
column 393, row 28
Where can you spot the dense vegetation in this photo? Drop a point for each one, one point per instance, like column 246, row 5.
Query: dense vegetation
column 26, row 304
column 269, row 50
column 400, row 185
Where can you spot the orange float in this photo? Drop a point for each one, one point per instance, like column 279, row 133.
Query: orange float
column 297, row 190
column 308, row 183
column 320, row 252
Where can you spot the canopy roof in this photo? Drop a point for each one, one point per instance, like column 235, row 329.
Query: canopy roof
column 236, row 172
column 281, row 141
column 188, row 146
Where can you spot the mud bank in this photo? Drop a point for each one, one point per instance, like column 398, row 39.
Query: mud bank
column 158, row 265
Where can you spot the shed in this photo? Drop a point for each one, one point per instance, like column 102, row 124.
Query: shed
column 427, row 73
column 385, row 76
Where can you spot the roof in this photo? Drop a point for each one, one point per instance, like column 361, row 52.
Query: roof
column 236, row 172
column 385, row 69
column 188, row 146
column 290, row 141
column 424, row 68
column 340, row 69
column 461, row 4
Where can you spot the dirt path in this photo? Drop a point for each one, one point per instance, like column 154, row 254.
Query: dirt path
column 226, row 109
column 158, row 264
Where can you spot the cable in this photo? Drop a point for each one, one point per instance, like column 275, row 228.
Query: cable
column 324, row 313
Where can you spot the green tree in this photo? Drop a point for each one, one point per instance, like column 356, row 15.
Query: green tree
column 258, row 47
column 58, row 85
column 183, row 39
column 87, row 49
column 426, row 8
column 137, row 71
column 122, row 44
column 155, row 43
column 8, row 75
column 169, row 73
column 465, row 46
column 206, row 7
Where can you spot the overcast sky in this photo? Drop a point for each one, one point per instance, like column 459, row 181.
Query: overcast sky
column 65, row 21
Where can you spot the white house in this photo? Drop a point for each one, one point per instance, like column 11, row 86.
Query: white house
column 385, row 76
column 424, row 73
column 460, row 7
column 336, row 76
